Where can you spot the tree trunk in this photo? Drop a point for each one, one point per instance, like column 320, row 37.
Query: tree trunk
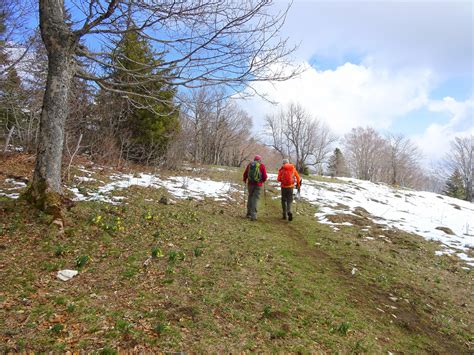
column 45, row 191
column 7, row 142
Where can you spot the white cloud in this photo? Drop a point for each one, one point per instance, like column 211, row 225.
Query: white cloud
column 459, row 111
column 435, row 141
column 349, row 96
column 427, row 33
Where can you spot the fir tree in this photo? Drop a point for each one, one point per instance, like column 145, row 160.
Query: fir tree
column 150, row 115
column 454, row 186
column 337, row 164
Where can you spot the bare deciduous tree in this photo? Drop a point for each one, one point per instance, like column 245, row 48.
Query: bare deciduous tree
column 21, row 92
column 15, row 39
column 294, row 133
column 393, row 160
column 203, row 42
column 215, row 128
column 365, row 149
column 402, row 161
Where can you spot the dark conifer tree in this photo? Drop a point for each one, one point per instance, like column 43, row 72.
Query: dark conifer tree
column 454, row 186
column 149, row 113
column 337, row 164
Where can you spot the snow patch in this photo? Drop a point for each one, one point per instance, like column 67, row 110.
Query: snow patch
column 18, row 184
column 84, row 179
column 12, row 195
column 12, row 148
column 417, row 212
column 179, row 186
column 11, row 191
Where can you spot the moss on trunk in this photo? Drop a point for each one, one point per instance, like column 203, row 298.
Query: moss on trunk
column 45, row 199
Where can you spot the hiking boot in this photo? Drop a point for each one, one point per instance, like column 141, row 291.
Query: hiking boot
column 247, row 216
column 290, row 216
column 283, row 217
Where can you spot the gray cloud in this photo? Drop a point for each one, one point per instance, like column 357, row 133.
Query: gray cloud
column 430, row 34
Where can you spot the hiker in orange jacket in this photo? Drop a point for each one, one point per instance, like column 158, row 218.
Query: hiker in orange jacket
column 287, row 176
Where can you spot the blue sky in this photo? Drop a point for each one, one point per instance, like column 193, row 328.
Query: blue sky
column 398, row 66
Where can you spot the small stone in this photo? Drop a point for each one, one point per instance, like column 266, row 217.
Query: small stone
column 66, row 275
column 147, row 261
column 445, row 230
column 58, row 222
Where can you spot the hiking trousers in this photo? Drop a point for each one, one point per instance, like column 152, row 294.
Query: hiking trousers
column 286, row 200
column 254, row 194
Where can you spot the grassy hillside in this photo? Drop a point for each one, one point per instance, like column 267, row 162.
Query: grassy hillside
column 217, row 282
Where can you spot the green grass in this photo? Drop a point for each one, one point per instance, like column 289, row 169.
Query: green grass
column 217, row 282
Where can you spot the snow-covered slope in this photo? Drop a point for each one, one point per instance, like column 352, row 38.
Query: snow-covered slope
column 412, row 211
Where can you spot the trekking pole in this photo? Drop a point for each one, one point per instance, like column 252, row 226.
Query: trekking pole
column 297, row 200
column 298, row 194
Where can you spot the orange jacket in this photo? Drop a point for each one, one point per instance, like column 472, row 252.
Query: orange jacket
column 289, row 169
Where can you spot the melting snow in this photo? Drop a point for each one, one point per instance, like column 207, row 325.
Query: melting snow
column 11, row 192
column 84, row 179
column 417, row 212
column 12, row 195
column 179, row 186
column 18, row 184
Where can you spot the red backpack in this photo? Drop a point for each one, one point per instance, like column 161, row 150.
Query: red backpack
column 287, row 176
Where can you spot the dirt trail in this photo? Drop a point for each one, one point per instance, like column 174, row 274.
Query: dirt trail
column 367, row 296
